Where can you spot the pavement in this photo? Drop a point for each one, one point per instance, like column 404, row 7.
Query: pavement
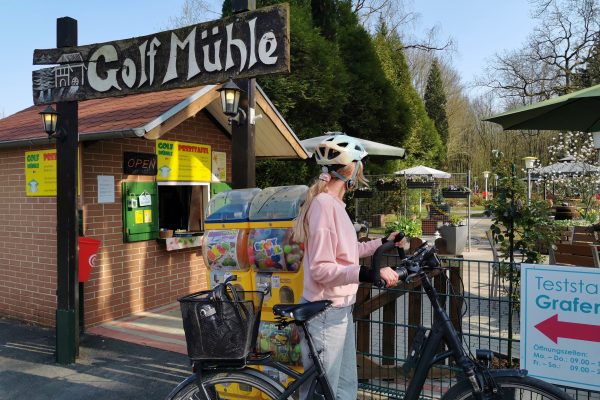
column 142, row 356
column 107, row 368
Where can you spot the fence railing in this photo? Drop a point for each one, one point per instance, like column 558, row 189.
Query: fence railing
column 387, row 321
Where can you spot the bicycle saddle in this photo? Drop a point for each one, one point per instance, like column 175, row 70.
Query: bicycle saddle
column 300, row 312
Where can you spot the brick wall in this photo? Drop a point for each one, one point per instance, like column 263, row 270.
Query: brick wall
column 128, row 277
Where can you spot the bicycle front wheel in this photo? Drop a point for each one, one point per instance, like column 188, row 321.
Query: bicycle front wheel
column 510, row 388
column 229, row 385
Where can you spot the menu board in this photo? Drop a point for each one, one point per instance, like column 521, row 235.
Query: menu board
column 40, row 173
column 181, row 161
column 219, row 166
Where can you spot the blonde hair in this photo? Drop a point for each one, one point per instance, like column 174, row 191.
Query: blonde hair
column 300, row 230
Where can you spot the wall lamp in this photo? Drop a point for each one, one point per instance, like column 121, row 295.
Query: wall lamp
column 230, row 102
column 49, row 119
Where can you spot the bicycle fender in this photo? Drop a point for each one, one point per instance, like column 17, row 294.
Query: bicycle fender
column 263, row 376
column 249, row 371
column 500, row 372
column 508, row 372
column 191, row 378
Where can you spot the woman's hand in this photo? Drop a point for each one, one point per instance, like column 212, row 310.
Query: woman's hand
column 392, row 236
column 389, row 276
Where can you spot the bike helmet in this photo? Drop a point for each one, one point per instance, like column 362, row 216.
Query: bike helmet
column 339, row 149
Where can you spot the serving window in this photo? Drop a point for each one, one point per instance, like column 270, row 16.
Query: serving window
column 181, row 206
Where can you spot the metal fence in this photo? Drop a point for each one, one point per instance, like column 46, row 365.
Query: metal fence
column 387, row 321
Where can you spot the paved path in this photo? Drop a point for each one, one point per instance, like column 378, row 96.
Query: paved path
column 105, row 369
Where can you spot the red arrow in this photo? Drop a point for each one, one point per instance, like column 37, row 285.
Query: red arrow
column 553, row 329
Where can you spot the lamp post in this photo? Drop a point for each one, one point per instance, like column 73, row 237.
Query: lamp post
column 486, row 175
column 529, row 164
column 596, row 137
column 243, row 132
column 67, row 283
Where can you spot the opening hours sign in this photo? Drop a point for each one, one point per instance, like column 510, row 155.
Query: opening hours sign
column 560, row 324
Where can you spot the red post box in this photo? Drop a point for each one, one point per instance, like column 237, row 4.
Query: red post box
column 88, row 248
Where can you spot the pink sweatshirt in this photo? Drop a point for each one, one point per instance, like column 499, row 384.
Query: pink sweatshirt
column 332, row 252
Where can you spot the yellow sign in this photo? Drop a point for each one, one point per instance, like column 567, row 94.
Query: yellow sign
column 139, row 216
column 40, row 173
column 180, row 161
column 147, row 216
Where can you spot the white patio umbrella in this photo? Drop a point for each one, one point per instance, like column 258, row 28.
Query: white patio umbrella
column 421, row 170
column 373, row 148
column 568, row 166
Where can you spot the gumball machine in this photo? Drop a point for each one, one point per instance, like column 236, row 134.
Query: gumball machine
column 277, row 262
column 226, row 237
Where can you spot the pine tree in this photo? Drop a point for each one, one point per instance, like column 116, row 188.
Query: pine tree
column 418, row 135
column 435, row 101
column 311, row 99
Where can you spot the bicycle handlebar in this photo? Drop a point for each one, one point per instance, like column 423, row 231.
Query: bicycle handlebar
column 375, row 277
column 424, row 257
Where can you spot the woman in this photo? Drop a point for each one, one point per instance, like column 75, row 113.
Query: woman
column 331, row 260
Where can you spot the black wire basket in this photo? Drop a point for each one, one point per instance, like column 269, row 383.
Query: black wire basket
column 218, row 329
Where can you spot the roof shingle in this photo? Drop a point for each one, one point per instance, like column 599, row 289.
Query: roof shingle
column 99, row 115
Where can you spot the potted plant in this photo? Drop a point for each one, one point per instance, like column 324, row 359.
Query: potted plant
column 387, row 184
column 455, row 232
column 456, row 192
column 419, row 182
column 411, row 227
column 363, row 193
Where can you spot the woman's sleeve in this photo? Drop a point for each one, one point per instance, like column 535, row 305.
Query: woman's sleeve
column 321, row 248
column 366, row 249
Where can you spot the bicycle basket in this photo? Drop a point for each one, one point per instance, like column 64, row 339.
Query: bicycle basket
column 221, row 329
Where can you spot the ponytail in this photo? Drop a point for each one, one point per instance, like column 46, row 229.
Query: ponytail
column 300, row 231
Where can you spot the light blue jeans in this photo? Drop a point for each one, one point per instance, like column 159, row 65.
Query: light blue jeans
column 332, row 332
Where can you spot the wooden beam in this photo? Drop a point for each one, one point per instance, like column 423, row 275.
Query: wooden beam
column 182, row 115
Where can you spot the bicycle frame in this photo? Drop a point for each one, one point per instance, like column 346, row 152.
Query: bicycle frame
column 442, row 329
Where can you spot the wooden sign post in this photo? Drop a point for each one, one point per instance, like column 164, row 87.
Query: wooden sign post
column 243, row 46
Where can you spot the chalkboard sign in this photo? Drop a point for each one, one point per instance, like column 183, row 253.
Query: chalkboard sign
column 139, row 163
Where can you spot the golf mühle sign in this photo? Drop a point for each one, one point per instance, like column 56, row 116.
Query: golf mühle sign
column 245, row 45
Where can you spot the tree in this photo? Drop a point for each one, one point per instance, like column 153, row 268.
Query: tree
column 421, row 140
column 561, row 44
column 371, row 111
column 435, row 101
column 589, row 75
column 582, row 184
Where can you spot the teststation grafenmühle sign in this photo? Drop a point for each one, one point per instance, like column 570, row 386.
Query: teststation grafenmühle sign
column 245, row 45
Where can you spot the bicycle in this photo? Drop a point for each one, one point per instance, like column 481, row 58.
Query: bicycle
column 211, row 379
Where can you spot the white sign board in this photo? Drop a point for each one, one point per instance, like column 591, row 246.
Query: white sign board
column 106, row 189
column 560, row 324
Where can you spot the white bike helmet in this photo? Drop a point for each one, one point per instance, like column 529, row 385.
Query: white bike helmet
column 339, row 149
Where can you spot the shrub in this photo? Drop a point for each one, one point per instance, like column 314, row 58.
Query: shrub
column 410, row 227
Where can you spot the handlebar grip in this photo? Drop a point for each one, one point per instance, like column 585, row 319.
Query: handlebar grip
column 402, row 273
column 375, row 277
column 400, row 250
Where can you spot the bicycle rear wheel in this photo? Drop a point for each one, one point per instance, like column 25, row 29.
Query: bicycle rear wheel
column 510, row 388
column 229, row 385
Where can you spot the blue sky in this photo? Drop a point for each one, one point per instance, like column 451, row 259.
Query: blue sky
column 480, row 29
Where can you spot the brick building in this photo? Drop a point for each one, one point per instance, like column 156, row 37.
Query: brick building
column 127, row 276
